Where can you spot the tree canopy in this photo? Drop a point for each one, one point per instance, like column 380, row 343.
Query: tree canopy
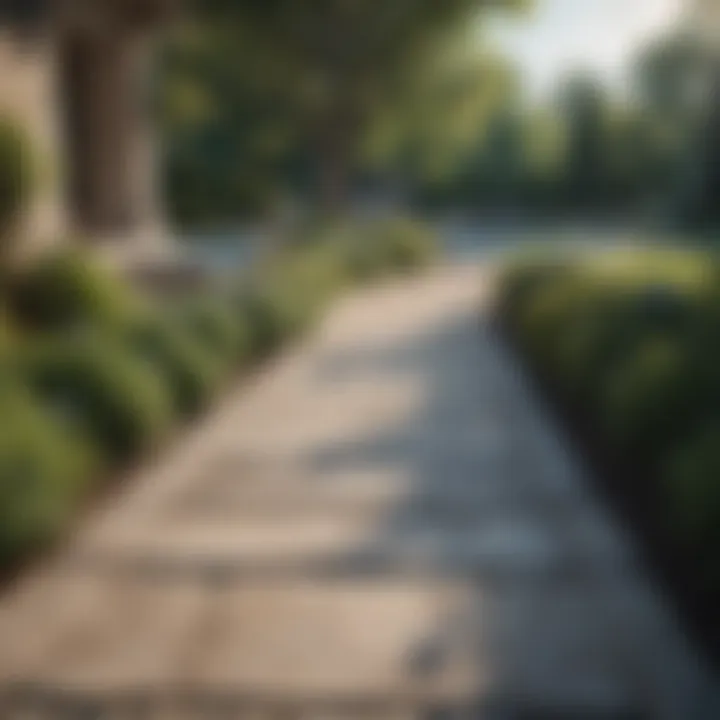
column 309, row 83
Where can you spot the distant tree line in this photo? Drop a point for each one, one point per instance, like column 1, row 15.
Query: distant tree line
column 655, row 150
column 319, row 99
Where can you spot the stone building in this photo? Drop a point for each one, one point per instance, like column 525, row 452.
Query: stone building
column 75, row 74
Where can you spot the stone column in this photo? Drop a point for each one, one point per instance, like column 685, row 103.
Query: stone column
column 110, row 153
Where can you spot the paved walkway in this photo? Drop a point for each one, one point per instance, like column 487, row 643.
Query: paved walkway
column 381, row 525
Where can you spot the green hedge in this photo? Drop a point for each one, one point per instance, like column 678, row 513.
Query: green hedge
column 631, row 341
column 192, row 372
column 394, row 245
column 221, row 331
column 44, row 470
column 95, row 383
column 69, row 288
column 92, row 374
column 17, row 178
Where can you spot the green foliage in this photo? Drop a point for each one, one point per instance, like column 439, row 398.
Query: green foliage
column 192, row 372
column 692, row 498
column 110, row 379
column 542, row 322
column 7, row 333
column 579, row 320
column 44, row 468
column 521, row 278
column 632, row 341
column 69, row 288
column 260, row 98
column 394, row 245
column 218, row 328
column 654, row 153
column 17, row 176
column 409, row 245
column 693, row 490
column 699, row 201
column 557, row 319
column 648, row 399
column 95, row 383
column 584, row 108
column 286, row 302
column 273, row 318
column 291, row 292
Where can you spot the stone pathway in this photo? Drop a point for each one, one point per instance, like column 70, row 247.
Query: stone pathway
column 380, row 525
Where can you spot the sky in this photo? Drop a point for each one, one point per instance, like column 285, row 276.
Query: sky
column 559, row 36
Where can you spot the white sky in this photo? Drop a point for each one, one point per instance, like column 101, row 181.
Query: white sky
column 600, row 35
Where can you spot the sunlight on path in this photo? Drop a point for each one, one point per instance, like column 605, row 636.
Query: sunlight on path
column 380, row 525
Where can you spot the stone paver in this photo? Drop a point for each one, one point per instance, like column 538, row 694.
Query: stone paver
column 382, row 524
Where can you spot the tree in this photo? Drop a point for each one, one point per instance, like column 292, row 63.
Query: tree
column 430, row 132
column 331, row 69
column 584, row 107
column 677, row 82
column 231, row 144
column 701, row 205
column 667, row 77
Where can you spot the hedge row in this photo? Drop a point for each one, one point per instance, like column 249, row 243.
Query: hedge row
column 92, row 375
column 630, row 340
column 18, row 176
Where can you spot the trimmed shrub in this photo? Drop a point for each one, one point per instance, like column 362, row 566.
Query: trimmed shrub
column 324, row 270
column 362, row 260
column 17, row 178
column 632, row 341
column 192, row 373
column 69, row 288
column 520, row 281
column 691, row 484
column 578, row 322
column 44, row 468
column 648, row 398
column 542, row 321
column 587, row 349
column 275, row 315
column 218, row 328
column 290, row 293
column 7, row 334
column 91, row 381
column 387, row 246
column 288, row 298
column 410, row 244
column 106, row 376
